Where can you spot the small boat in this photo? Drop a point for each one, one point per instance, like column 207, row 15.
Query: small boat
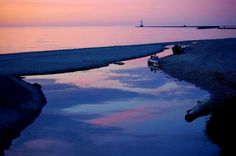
column 153, row 61
column 153, row 68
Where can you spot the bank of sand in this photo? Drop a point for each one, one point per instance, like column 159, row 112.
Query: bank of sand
column 209, row 64
column 60, row 61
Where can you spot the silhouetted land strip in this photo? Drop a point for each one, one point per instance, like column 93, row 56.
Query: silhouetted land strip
column 185, row 26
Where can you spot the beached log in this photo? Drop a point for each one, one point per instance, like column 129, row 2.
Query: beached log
column 201, row 109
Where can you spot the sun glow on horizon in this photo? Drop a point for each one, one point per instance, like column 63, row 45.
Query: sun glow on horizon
column 115, row 12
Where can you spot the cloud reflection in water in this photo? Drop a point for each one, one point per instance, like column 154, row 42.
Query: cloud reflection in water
column 126, row 110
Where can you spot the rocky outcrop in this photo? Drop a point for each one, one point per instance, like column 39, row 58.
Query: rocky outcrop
column 20, row 105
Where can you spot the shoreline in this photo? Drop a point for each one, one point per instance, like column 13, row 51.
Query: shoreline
column 209, row 64
column 69, row 60
column 211, row 60
column 212, row 67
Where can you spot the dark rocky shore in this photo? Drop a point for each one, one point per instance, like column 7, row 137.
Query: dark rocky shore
column 210, row 65
column 20, row 104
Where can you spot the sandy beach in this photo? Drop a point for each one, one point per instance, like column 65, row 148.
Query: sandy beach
column 60, row 61
column 211, row 66
column 208, row 64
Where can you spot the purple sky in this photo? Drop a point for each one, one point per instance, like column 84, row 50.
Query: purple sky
column 116, row 12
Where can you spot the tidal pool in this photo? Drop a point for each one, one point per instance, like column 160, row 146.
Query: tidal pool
column 119, row 110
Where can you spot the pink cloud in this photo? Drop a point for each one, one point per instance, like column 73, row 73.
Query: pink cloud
column 92, row 12
column 133, row 115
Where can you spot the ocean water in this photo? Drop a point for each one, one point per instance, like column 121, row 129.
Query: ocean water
column 127, row 110
column 28, row 39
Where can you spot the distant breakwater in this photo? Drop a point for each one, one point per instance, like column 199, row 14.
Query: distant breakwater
column 185, row 26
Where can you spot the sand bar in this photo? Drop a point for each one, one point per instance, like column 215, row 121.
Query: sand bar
column 60, row 61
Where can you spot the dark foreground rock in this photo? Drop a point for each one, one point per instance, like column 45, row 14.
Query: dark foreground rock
column 221, row 127
column 20, row 105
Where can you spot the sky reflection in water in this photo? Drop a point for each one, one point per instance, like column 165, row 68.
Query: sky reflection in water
column 116, row 110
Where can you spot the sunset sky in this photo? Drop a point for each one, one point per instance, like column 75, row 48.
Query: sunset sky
column 116, row 12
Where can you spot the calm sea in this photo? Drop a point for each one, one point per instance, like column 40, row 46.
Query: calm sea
column 28, row 39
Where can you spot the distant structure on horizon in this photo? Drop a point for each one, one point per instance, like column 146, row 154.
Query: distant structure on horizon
column 188, row 26
column 141, row 23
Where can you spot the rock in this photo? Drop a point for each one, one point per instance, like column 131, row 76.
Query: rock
column 177, row 49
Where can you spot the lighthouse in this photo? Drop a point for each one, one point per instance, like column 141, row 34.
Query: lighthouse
column 141, row 24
